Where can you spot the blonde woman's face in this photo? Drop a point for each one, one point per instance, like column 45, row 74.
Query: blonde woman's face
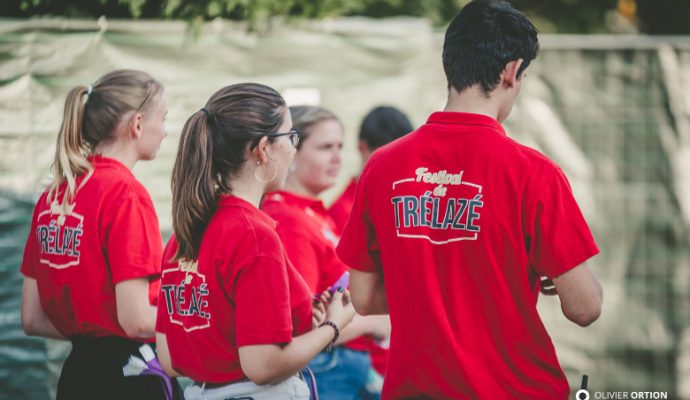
column 318, row 160
column 153, row 129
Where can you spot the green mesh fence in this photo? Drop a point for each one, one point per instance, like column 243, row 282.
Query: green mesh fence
column 612, row 111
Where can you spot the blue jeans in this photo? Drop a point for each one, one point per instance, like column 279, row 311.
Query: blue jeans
column 342, row 374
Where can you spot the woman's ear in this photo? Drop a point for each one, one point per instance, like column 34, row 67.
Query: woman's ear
column 135, row 126
column 261, row 151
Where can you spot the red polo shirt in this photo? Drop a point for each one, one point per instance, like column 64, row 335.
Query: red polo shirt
column 109, row 235
column 462, row 221
column 242, row 291
column 308, row 234
column 340, row 210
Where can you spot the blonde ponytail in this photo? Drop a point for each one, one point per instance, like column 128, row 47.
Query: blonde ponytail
column 90, row 117
column 70, row 160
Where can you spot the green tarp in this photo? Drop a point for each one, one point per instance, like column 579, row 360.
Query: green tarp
column 612, row 111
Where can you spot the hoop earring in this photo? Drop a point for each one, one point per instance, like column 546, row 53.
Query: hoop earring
column 256, row 176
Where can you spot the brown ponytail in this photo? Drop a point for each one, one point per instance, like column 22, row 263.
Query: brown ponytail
column 213, row 145
column 195, row 197
column 89, row 119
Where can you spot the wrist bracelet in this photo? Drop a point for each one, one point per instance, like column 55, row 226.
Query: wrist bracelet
column 337, row 333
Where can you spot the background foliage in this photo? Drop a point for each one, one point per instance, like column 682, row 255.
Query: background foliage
column 561, row 16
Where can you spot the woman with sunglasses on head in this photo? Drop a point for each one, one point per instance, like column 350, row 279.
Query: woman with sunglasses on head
column 237, row 318
column 309, row 236
column 92, row 260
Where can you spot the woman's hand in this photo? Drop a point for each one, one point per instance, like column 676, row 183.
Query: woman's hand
column 272, row 363
column 319, row 306
column 340, row 309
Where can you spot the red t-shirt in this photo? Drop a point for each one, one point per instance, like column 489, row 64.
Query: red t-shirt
column 308, row 234
column 309, row 237
column 340, row 211
column 110, row 235
column 342, row 206
column 462, row 221
column 242, row 291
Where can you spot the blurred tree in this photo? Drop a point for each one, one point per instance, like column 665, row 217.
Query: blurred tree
column 563, row 16
column 569, row 16
column 664, row 16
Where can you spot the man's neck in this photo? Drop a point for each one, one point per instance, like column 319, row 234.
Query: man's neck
column 472, row 100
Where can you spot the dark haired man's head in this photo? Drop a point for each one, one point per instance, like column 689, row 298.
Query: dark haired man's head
column 482, row 39
column 381, row 126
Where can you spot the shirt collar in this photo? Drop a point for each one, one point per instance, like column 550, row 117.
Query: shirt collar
column 228, row 200
column 295, row 199
column 98, row 160
column 461, row 118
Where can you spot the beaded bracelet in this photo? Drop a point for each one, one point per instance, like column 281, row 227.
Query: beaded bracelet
column 337, row 333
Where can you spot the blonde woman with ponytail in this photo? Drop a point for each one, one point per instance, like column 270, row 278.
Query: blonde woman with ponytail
column 235, row 316
column 92, row 260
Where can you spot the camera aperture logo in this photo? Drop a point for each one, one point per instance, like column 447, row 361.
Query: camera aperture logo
column 584, row 394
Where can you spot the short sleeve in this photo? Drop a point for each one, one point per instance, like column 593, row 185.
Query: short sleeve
column 262, row 303
column 558, row 236
column 30, row 259
column 133, row 242
column 358, row 246
column 304, row 256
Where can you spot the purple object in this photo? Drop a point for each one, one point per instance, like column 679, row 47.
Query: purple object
column 166, row 380
column 342, row 282
column 155, row 368
column 149, row 366
column 313, row 390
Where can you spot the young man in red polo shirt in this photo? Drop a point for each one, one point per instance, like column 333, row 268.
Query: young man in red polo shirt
column 455, row 224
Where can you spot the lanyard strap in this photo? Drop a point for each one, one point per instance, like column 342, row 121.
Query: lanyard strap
column 313, row 390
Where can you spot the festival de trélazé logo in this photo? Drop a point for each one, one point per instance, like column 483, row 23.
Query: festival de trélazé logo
column 440, row 206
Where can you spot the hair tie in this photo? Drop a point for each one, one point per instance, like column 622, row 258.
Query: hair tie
column 206, row 112
column 89, row 89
